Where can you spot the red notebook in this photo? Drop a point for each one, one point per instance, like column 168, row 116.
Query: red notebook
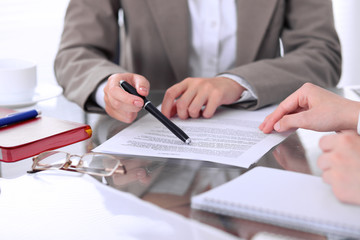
column 31, row 137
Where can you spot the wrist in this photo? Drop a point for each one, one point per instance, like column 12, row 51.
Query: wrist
column 99, row 95
column 355, row 117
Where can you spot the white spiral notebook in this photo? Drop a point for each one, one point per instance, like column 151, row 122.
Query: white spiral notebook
column 283, row 198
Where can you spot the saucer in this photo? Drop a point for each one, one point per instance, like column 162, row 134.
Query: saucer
column 43, row 92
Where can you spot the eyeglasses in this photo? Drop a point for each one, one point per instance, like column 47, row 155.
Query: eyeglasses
column 97, row 164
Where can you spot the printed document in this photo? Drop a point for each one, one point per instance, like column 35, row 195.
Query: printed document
column 230, row 137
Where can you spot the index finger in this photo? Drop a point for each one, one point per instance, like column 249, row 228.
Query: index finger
column 140, row 83
column 117, row 94
column 169, row 98
column 290, row 105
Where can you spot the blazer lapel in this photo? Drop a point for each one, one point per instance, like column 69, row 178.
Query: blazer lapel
column 172, row 19
column 252, row 30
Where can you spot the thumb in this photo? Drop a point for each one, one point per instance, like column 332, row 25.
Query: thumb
column 290, row 121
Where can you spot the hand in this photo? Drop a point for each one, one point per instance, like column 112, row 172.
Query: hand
column 120, row 104
column 194, row 93
column 312, row 107
column 340, row 163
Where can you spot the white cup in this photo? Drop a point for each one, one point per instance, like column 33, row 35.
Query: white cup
column 17, row 81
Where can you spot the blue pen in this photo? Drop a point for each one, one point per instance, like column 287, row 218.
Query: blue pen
column 18, row 117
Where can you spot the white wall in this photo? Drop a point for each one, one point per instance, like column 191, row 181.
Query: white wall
column 31, row 29
column 347, row 20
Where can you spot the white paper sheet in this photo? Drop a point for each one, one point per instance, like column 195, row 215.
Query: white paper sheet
column 230, row 137
column 283, row 198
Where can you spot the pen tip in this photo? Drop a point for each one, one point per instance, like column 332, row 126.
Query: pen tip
column 188, row 141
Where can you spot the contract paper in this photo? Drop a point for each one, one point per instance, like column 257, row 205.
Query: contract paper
column 230, row 137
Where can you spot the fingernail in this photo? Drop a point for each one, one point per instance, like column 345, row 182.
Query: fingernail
column 138, row 103
column 143, row 89
column 277, row 126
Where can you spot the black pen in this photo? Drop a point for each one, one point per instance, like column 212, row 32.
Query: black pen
column 156, row 113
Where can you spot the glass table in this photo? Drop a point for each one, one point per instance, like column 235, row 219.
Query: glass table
column 170, row 183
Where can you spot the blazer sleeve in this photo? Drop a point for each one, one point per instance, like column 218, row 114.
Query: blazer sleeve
column 311, row 49
column 88, row 50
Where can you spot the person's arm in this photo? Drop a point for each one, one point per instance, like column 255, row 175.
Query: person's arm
column 88, row 50
column 312, row 107
column 248, row 94
column 311, row 52
column 340, row 163
column 86, row 66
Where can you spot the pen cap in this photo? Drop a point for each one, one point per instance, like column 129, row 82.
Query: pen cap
column 17, row 81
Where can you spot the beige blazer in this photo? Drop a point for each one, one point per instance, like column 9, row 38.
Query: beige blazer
column 159, row 33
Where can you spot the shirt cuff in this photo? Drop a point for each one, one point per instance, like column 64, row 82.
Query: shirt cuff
column 248, row 94
column 99, row 95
